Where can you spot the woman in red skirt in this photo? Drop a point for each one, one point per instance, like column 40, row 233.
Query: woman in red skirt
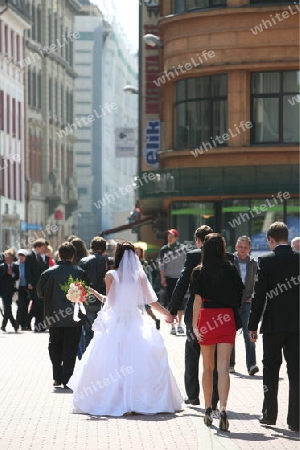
column 218, row 292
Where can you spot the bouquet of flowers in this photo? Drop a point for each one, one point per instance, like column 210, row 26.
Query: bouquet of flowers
column 76, row 291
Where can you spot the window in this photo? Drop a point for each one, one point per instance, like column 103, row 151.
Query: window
column 50, row 34
column 275, row 107
column 7, row 114
column 39, row 25
column 19, row 121
column 40, row 90
column 6, row 39
column 1, row 38
column 1, row 110
column 200, row 110
column 50, row 95
column 18, row 48
column 272, row 2
column 34, row 88
column 14, row 125
column 12, row 44
column 82, row 191
column 180, row 6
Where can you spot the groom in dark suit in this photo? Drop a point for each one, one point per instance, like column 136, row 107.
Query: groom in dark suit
column 276, row 297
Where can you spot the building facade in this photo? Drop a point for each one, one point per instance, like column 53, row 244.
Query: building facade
column 104, row 65
column 14, row 22
column 229, row 110
column 51, row 185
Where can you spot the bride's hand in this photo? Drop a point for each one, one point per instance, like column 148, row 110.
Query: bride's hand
column 169, row 318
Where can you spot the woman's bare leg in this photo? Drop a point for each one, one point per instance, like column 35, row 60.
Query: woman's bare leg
column 223, row 360
column 207, row 352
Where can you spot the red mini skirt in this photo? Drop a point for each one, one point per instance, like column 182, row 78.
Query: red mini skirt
column 217, row 326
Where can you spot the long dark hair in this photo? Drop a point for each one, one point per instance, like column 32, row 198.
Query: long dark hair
column 213, row 256
column 81, row 251
column 120, row 249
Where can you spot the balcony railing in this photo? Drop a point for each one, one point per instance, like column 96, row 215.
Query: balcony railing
column 221, row 181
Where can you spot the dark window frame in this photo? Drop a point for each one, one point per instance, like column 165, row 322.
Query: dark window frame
column 276, row 95
column 211, row 100
column 184, row 9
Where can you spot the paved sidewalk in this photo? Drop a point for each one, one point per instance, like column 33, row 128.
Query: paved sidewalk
column 34, row 417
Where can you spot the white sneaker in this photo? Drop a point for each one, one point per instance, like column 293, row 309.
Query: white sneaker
column 180, row 330
column 231, row 369
column 173, row 330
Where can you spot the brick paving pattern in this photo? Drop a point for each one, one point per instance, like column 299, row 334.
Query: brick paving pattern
column 35, row 417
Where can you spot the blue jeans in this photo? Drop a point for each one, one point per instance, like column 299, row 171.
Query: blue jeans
column 244, row 313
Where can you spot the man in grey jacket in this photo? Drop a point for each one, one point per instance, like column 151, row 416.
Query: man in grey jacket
column 171, row 262
column 246, row 266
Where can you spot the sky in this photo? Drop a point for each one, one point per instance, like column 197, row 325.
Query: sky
column 127, row 13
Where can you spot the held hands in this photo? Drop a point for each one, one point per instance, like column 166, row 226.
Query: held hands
column 168, row 317
column 100, row 297
column 253, row 336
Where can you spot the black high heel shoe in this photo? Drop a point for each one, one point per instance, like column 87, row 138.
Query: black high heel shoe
column 208, row 417
column 223, row 424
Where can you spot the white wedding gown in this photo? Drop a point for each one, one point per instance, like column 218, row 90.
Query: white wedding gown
column 125, row 367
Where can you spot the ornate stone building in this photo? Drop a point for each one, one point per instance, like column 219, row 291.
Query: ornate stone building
column 229, row 114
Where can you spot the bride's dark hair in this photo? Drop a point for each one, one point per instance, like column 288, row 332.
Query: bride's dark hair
column 120, row 249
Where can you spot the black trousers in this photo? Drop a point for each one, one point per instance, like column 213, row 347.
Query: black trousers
column 7, row 313
column 63, row 346
column 273, row 345
column 37, row 311
column 22, row 307
column 191, row 372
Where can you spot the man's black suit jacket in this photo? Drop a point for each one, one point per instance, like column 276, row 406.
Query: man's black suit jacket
column 7, row 282
column 193, row 259
column 34, row 269
column 276, row 292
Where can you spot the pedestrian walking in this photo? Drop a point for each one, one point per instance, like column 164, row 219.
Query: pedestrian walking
column 9, row 274
column 276, row 300
column 171, row 262
column 246, row 267
column 218, row 293
column 35, row 264
column 23, row 300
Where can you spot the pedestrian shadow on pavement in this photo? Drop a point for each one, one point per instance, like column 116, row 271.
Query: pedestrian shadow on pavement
column 159, row 417
column 286, row 434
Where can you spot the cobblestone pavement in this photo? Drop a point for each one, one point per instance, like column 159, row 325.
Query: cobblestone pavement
column 35, row 417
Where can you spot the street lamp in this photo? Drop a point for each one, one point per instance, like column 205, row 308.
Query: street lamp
column 131, row 89
column 153, row 40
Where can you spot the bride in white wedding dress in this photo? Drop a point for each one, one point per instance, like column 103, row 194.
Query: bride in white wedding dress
column 125, row 368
